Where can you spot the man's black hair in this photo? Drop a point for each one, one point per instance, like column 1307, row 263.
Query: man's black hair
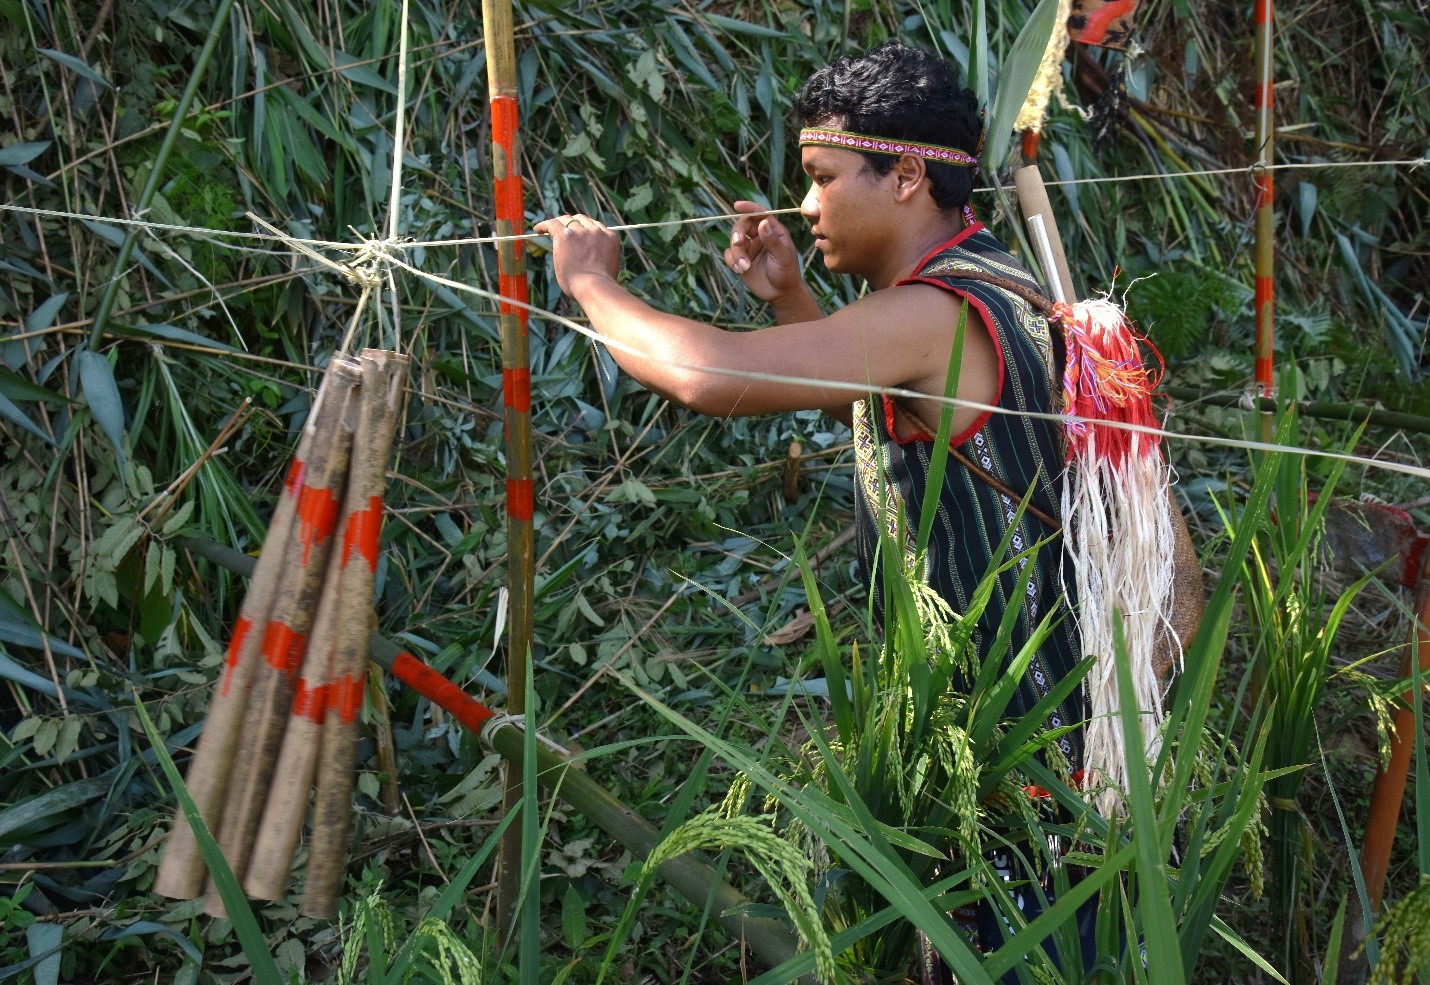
column 902, row 93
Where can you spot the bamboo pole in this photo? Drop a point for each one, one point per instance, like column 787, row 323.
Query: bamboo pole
column 516, row 401
column 1317, row 409
column 384, row 375
column 1043, row 232
column 287, row 802
column 284, row 641
column 771, row 942
column 181, row 873
column 1265, row 288
column 1383, row 815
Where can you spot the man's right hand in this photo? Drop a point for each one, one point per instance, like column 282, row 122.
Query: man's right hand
column 763, row 254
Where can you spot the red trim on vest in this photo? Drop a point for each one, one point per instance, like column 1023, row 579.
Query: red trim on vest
column 990, row 326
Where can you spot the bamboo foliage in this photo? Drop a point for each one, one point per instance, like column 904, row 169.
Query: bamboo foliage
column 638, row 110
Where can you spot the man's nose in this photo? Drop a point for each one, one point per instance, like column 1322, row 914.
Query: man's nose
column 809, row 208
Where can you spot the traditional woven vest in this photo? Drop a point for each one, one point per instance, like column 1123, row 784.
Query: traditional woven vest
column 1016, row 452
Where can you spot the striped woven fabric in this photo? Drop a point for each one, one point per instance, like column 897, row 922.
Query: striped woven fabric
column 973, row 516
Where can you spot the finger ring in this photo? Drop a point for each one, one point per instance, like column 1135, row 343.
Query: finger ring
column 567, row 222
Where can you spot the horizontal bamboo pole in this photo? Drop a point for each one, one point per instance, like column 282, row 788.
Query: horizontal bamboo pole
column 690, row 877
column 1316, row 409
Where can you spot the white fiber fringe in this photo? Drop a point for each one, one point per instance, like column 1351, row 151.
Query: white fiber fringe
column 1118, row 530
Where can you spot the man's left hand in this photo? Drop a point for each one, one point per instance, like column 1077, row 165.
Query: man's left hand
column 581, row 248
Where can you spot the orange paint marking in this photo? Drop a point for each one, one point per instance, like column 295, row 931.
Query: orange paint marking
column 345, row 697
column 440, row 691
column 520, row 499
column 516, row 389
column 283, row 648
column 317, row 516
column 241, row 629
column 294, row 478
column 311, row 701
column 362, row 532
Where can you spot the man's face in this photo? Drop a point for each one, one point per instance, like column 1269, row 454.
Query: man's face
column 848, row 208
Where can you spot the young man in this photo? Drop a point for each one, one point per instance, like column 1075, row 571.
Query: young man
column 889, row 141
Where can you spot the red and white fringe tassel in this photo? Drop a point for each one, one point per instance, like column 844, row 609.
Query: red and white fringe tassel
column 1117, row 522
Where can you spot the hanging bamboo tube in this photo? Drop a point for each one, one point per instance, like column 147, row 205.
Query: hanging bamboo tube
column 287, row 803
column 516, row 399
column 285, row 638
column 383, row 376
column 1265, row 289
column 181, row 873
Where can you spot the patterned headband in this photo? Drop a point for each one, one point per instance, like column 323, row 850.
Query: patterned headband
column 881, row 145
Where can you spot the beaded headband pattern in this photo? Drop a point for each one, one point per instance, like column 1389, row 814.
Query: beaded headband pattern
column 882, row 145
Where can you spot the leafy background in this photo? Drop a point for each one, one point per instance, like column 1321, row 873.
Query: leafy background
column 663, row 538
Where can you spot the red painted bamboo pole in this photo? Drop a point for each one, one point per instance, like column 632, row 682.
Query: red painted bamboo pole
column 181, row 873
column 384, row 376
column 285, row 640
column 1383, row 815
column 1265, row 290
column 516, row 399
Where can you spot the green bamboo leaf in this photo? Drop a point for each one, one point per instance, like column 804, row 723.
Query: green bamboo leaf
column 45, row 941
column 140, row 928
column 16, row 387
column 101, row 393
column 17, row 154
column 361, row 74
column 75, row 65
column 44, row 316
column 736, row 26
column 15, row 415
column 173, row 334
column 36, row 810
column 15, row 627
column 978, row 71
column 1015, row 78
column 1154, row 903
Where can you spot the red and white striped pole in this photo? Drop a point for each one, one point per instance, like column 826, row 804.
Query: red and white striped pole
column 516, row 399
column 1265, row 294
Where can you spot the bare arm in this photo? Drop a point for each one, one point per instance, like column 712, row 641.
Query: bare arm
column 883, row 340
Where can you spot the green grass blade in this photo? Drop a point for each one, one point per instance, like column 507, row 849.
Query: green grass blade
column 245, row 925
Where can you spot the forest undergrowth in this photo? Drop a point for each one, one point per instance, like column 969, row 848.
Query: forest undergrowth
column 681, row 645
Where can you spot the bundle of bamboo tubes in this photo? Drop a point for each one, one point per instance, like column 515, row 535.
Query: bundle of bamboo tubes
column 285, row 708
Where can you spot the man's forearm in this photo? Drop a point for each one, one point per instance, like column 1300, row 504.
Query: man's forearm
column 798, row 306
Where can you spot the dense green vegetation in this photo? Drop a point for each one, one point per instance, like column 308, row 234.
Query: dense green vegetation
column 668, row 593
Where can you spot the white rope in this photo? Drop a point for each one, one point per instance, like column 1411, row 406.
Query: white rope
column 394, row 243
column 373, row 257
column 859, row 389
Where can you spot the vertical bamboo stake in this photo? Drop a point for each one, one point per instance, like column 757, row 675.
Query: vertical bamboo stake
column 384, row 374
column 285, row 638
column 181, row 873
column 1265, row 293
column 516, row 398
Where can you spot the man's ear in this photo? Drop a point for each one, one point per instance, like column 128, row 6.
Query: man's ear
column 910, row 177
